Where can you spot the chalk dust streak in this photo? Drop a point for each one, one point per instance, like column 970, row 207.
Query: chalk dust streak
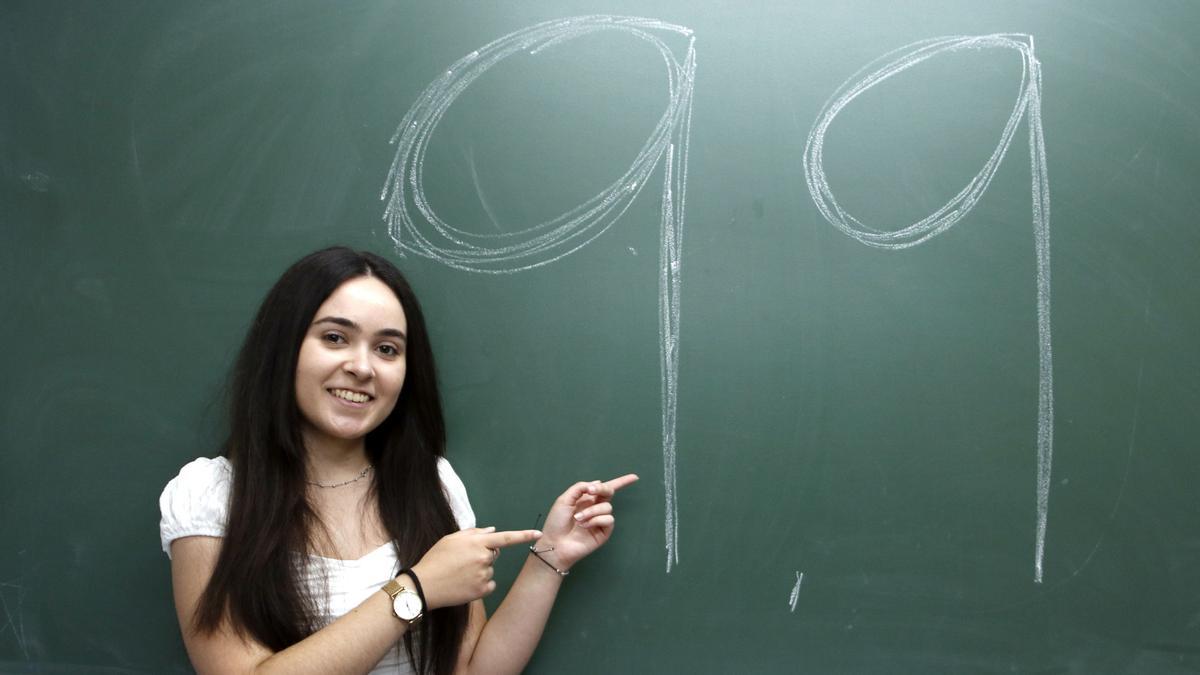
column 14, row 623
column 1028, row 105
column 416, row 228
column 795, row 596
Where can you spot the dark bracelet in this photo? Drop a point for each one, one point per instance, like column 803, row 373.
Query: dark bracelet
column 416, row 582
column 537, row 554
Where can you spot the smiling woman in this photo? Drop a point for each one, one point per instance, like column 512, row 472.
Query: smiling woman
column 352, row 364
column 286, row 558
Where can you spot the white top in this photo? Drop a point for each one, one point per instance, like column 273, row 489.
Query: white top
column 196, row 502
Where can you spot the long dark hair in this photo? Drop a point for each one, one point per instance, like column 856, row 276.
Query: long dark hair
column 256, row 582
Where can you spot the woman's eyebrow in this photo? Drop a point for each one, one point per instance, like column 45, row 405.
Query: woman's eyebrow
column 347, row 323
column 393, row 332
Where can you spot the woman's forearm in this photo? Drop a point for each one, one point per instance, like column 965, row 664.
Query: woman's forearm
column 579, row 522
column 512, row 633
column 354, row 643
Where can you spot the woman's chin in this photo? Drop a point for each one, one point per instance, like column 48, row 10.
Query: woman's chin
column 341, row 432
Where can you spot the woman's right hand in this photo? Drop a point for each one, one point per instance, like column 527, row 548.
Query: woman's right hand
column 458, row 568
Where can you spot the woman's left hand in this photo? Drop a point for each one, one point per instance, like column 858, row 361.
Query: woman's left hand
column 580, row 521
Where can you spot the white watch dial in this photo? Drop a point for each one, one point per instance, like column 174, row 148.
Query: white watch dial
column 407, row 605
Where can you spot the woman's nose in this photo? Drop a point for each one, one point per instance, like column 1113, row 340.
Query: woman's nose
column 358, row 364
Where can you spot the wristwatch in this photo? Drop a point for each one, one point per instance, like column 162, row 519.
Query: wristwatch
column 406, row 604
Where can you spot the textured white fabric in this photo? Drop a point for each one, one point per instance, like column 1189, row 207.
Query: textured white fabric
column 196, row 502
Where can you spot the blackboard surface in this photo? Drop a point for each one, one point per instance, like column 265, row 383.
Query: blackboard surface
column 858, row 482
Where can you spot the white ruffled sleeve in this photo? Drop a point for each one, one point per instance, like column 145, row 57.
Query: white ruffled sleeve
column 196, row 502
column 456, row 494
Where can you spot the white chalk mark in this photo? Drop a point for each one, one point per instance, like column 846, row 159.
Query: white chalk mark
column 1028, row 106
column 795, row 591
column 17, row 625
column 1133, row 428
column 416, row 228
column 487, row 208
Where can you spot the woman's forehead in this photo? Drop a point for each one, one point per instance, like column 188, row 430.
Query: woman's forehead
column 365, row 300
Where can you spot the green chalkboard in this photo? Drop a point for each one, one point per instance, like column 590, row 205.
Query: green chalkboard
column 893, row 306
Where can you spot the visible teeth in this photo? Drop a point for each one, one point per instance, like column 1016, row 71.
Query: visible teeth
column 350, row 395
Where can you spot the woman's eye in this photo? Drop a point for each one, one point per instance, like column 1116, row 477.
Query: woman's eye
column 333, row 338
column 389, row 350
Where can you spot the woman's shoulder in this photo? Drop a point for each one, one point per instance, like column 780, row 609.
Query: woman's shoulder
column 203, row 474
column 445, row 471
column 456, row 494
column 196, row 501
column 205, row 468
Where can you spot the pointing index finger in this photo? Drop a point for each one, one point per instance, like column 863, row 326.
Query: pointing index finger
column 509, row 538
column 618, row 483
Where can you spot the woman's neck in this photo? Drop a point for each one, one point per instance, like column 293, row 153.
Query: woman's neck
column 334, row 460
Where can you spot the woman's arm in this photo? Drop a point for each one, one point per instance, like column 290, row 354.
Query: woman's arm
column 579, row 522
column 460, row 569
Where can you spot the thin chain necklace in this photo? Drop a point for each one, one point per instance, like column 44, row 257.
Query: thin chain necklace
column 360, row 476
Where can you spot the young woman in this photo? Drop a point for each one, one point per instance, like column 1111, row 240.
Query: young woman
column 333, row 536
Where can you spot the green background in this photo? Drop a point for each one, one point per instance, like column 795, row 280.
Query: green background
column 864, row 417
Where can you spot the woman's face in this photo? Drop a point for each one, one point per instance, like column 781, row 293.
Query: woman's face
column 352, row 363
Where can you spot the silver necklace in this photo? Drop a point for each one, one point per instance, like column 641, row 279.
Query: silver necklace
column 360, row 476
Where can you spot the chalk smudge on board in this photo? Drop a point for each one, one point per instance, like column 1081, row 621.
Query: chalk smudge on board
column 14, row 614
column 487, row 208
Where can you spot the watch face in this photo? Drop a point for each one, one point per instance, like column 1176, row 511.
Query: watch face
column 407, row 605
